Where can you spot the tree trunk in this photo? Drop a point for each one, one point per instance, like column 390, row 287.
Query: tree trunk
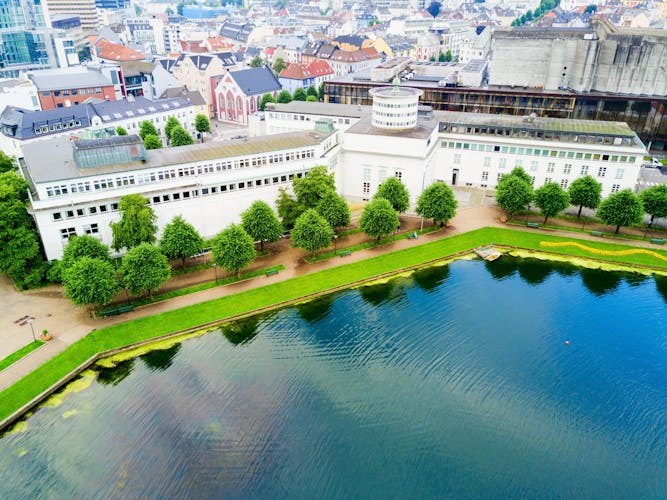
column 261, row 245
column 579, row 213
column 545, row 220
column 617, row 229
column 650, row 223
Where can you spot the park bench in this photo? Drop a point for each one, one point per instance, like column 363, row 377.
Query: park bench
column 271, row 272
column 345, row 253
column 413, row 236
column 117, row 310
column 533, row 224
column 596, row 233
column 658, row 241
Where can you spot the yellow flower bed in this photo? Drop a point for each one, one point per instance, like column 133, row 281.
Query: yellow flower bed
column 634, row 251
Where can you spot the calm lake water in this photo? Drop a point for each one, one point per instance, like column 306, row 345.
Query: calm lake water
column 454, row 382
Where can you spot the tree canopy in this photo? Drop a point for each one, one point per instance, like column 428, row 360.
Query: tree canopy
column 379, row 218
column 152, row 142
column 84, row 246
column 202, row 123
column 585, row 192
column 289, row 209
column 437, row 202
column 180, row 240
column 311, row 98
column 311, row 232
column 137, row 223
column 261, row 223
column 279, row 65
column 551, row 199
column 180, row 137
column 334, row 209
column 311, row 91
column 299, row 95
column 90, row 281
column 144, row 269
column 121, row 130
column 257, row 62
column 654, row 200
column 513, row 194
column 284, row 97
column 266, row 98
column 310, row 188
column 172, row 122
column 147, row 128
column 395, row 191
column 233, row 249
column 621, row 209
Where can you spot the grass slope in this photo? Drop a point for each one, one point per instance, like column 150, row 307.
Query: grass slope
column 161, row 324
column 23, row 351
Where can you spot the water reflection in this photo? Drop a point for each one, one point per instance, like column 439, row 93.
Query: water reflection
column 534, row 271
column 431, row 278
column 600, row 282
column 378, row 294
column 316, row 310
column 661, row 286
column 162, row 359
column 502, row 268
column 241, row 331
column 115, row 375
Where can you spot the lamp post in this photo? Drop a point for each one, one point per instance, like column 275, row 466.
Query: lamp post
column 215, row 270
column 335, row 240
column 29, row 321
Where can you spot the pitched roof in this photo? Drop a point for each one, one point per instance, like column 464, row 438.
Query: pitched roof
column 256, row 81
column 296, row 72
column 105, row 49
column 320, row 67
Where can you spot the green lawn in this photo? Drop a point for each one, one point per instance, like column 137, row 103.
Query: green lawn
column 293, row 289
column 23, row 351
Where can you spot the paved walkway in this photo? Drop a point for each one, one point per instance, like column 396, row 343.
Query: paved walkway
column 69, row 323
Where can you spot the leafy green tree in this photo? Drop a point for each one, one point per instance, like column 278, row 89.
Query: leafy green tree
column 261, row 223
column 289, row 209
column 284, row 97
column 169, row 126
column 152, row 142
column 431, row 59
column 551, row 199
column 84, row 246
column 7, row 163
column 311, row 91
column 514, row 194
column 233, row 249
column 266, row 98
column 180, row 240
column 144, row 269
column 654, row 200
column 257, row 62
column 621, row 209
column 311, row 98
column 202, row 124
column 320, row 92
column 521, row 174
column 310, row 188
column 137, row 223
column 90, row 281
column 379, row 218
column 334, row 209
column 279, row 65
column 585, row 192
column 121, row 130
column 147, row 128
column 395, row 191
column 300, row 95
column 437, row 202
column 180, row 137
column 311, row 232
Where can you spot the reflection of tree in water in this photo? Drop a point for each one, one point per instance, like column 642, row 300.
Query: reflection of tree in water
column 503, row 267
column 565, row 269
column 534, row 271
column 635, row 279
column 115, row 375
column 160, row 359
column 383, row 292
column 661, row 286
column 600, row 282
column 432, row 277
column 241, row 331
column 315, row 310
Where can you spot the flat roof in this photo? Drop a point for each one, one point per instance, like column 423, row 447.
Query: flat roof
column 423, row 130
column 67, row 78
column 321, row 108
column 53, row 160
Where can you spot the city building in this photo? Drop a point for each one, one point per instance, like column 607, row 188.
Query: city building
column 239, row 93
column 59, row 88
column 85, row 9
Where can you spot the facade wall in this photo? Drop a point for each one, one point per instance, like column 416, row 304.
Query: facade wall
column 51, row 99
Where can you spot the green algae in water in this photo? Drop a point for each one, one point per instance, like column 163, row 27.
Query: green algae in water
column 84, row 381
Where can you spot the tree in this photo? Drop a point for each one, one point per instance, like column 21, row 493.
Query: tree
column 654, row 200
column 441, row 57
column 551, row 199
column 434, row 8
column 257, row 62
column 311, row 91
column 82, row 246
column 320, row 92
column 395, row 191
column 279, row 65
column 180, row 137
column 202, row 124
column 289, row 209
column 621, row 209
column 378, row 218
column 311, row 98
column 7, row 163
column 513, row 194
column 233, row 249
column 121, row 131
column 266, row 98
column 299, row 95
column 169, row 126
column 448, row 56
column 521, row 174
column 180, row 240
column 284, row 97
column 261, row 223
column 147, row 128
column 311, row 232
column 334, row 209
column 144, row 269
column 310, row 188
column 152, row 142
column 437, row 202
column 136, row 225
column 90, row 281
column 432, row 58
column 585, row 192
